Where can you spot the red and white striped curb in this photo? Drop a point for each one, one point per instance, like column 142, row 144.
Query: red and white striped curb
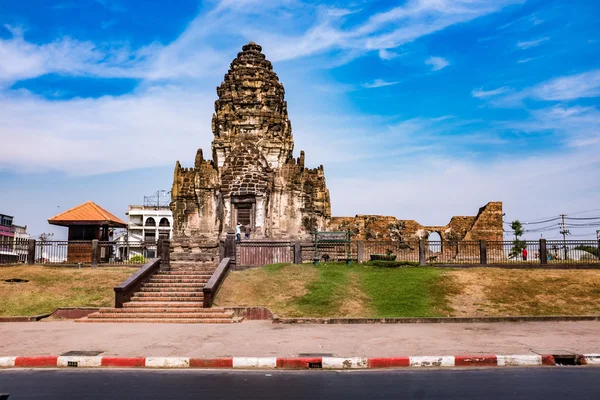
column 288, row 363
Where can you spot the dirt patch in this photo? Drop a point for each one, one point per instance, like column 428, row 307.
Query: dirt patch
column 471, row 299
column 263, row 287
column 500, row 292
column 356, row 302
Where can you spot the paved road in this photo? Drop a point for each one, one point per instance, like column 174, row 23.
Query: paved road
column 264, row 339
column 513, row 383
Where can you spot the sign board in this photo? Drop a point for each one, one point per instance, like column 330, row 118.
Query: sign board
column 332, row 236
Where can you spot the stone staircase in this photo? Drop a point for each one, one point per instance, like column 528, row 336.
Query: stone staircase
column 173, row 296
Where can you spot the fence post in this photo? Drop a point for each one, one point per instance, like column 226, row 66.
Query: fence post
column 230, row 247
column 95, row 252
column 482, row 252
column 31, row 251
column 422, row 252
column 163, row 248
column 360, row 251
column 543, row 252
column 297, row 253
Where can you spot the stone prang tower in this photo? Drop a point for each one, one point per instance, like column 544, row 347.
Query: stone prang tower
column 252, row 178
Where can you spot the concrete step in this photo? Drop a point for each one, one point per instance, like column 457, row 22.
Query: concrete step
column 177, row 279
column 199, row 300
column 160, row 315
column 160, row 320
column 183, row 274
column 175, row 284
column 162, row 303
column 165, row 309
column 168, row 294
column 172, row 289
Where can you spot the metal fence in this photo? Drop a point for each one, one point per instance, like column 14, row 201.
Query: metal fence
column 255, row 253
column 573, row 251
column 76, row 252
column 14, row 250
column 449, row 252
column 463, row 252
column 399, row 251
column 127, row 252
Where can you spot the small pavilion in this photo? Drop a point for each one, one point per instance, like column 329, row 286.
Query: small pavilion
column 87, row 222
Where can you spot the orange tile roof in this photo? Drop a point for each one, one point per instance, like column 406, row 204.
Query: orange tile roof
column 88, row 212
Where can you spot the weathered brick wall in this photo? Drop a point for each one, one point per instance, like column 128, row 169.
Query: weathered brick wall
column 486, row 225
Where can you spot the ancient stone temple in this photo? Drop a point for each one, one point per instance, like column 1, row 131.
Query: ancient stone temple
column 253, row 177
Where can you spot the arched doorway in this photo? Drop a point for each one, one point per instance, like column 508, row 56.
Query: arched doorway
column 435, row 242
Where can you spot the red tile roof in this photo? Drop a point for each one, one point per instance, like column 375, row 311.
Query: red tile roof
column 87, row 213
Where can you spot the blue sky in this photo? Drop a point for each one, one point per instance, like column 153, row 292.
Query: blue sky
column 421, row 109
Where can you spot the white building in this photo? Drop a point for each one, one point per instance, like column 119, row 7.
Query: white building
column 145, row 225
column 149, row 223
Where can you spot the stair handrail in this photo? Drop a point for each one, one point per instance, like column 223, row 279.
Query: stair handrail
column 132, row 284
column 214, row 283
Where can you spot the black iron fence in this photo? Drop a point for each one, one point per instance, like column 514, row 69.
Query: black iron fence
column 76, row 252
column 256, row 253
column 13, row 250
column 426, row 252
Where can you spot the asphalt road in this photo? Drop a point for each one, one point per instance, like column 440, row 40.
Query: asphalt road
column 493, row 383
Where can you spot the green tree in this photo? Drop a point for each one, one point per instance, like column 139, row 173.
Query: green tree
column 518, row 244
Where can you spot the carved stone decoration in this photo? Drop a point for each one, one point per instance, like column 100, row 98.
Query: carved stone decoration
column 253, row 177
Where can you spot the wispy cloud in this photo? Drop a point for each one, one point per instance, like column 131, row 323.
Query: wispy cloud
column 437, row 63
column 582, row 85
column 112, row 5
column 378, row 83
column 480, row 93
column 525, row 60
column 108, row 24
column 531, row 43
column 388, row 55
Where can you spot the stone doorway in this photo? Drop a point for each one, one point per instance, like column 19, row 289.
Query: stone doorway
column 244, row 210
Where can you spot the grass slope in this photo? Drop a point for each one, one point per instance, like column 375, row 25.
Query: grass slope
column 496, row 291
column 339, row 290
column 52, row 287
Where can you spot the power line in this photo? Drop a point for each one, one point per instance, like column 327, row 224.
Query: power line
column 584, row 212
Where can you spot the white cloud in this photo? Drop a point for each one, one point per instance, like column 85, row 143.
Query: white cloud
column 525, row 60
column 90, row 136
column 571, row 87
column 378, row 83
column 387, row 55
column 562, row 88
column 531, row 43
column 437, row 63
column 480, row 93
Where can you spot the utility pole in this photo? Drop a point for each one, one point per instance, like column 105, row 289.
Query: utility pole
column 564, row 231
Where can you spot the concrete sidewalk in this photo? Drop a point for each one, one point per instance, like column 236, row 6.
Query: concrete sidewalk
column 263, row 339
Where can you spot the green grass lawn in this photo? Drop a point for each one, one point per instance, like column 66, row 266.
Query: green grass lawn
column 52, row 287
column 338, row 290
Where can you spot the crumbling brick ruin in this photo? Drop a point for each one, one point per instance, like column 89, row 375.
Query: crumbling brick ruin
column 486, row 225
column 252, row 177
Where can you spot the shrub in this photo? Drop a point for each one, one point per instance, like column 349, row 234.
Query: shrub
column 392, row 264
column 383, row 257
column 138, row 258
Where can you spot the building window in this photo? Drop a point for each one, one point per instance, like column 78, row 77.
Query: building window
column 150, row 221
column 150, row 236
column 164, row 222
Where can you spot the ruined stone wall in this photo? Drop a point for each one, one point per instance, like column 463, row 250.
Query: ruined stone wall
column 196, row 200
column 487, row 225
